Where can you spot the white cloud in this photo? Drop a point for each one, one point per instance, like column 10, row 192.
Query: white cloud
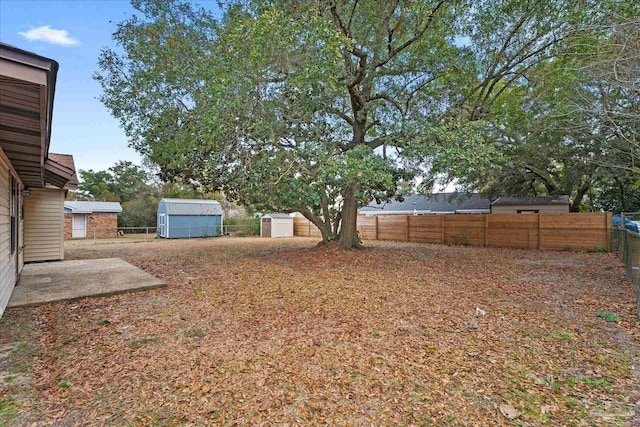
column 50, row 35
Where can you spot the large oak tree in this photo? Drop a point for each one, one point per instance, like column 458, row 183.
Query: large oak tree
column 321, row 106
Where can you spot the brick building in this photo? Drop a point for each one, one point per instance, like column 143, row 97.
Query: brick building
column 91, row 219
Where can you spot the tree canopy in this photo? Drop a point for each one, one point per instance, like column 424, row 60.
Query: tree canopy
column 322, row 106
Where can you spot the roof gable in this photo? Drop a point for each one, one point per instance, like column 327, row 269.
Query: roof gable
column 66, row 161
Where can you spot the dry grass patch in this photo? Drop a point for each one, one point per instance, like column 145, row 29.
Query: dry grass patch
column 254, row 331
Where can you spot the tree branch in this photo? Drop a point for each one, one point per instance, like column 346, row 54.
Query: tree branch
column 395, row 51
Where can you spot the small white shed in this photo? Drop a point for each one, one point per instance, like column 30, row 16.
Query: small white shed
column 276, row 225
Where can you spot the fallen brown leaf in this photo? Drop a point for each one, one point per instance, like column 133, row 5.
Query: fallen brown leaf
column 509, row 411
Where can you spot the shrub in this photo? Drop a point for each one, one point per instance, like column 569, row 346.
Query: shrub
column 609, row 316
column 246, row 226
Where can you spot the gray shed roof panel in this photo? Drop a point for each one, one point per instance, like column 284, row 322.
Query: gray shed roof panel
column 92, row 207
column 192, row 207
column 278, row 215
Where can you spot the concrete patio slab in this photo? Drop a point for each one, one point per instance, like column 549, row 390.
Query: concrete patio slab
column 69, row 280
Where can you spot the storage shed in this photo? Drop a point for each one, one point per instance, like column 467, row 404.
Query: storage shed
column 276, row 225
column 91, row 219
column 186, row 218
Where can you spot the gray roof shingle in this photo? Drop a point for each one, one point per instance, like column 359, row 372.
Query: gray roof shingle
column 513, row 201
column 192, row 207
column 91, row 207
column 439, row 202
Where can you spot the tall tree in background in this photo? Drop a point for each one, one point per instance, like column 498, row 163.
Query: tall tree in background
column 565, row 121
column 122, row 182
column 136, row 189
column 321, row 106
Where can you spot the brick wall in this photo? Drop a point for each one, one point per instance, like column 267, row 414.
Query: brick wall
column 105, row 225
column 68, row 226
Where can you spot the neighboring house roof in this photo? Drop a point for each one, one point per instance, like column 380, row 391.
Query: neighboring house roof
column 278, row 215
column 92, row 207
column 516, row 201
column 436, row 203
column 192, row 207
column 65, row 161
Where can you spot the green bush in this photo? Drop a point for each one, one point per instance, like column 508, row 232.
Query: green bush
column 609, row 316
column 598, row 250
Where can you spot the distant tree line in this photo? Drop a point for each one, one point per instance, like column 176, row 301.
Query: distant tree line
column 137, row 189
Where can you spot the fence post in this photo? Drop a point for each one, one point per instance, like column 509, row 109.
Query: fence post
column 442, row 225
column 608, row 225
column 94, row 236
column 406, row 230
column 486, row 230
column 309, row 224
column 376, row 223
column 147, row 232
column 539, row 231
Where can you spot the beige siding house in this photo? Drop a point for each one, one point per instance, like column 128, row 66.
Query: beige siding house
column 526, row 205
column 32, row 181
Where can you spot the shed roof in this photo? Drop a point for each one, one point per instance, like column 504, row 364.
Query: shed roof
column 515, row 201
column 192, row 207
column 278, row 215
column 439, row 202
column 92, row 207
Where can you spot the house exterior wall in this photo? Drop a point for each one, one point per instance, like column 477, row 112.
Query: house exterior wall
column 186, row 226
column 9, row 265
column 44, row 225
column 104, row 225
column 540, row 208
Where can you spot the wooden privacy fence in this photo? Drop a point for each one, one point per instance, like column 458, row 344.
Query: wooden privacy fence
column 574, row 231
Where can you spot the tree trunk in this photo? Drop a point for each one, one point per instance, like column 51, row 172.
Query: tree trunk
column 348, row 235
column 325, row 229
column 623, row 201
column 577, row 201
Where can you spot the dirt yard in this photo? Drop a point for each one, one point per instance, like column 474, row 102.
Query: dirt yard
column 278, row 332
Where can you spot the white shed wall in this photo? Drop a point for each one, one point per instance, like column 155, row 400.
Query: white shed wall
column 282, row 227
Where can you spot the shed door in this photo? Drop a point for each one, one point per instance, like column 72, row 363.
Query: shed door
column 162, row 224
column 79, row 230
column 266, row 227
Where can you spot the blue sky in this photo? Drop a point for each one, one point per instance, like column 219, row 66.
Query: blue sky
column 82, row 126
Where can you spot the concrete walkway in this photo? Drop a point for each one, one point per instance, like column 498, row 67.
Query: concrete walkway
column 68, row 280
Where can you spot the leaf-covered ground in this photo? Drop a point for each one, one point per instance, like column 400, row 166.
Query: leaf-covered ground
column 279, row 332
